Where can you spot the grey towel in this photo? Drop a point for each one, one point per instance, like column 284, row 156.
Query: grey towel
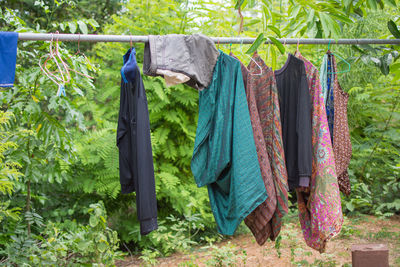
column 193, row 55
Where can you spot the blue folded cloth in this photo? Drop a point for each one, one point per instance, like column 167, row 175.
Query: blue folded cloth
column 8, row 58
column 128, row 71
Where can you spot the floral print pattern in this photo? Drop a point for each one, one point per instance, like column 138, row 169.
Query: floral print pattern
column 320, row 210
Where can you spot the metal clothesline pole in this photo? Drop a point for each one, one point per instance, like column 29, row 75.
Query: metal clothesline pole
column 26, row 36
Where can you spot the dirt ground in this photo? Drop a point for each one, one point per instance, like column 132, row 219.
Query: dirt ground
column 244, row 251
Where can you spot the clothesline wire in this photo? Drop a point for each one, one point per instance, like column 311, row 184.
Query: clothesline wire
column 26, row 36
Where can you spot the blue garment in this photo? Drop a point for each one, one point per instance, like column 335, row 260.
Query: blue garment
column 136, row 170
column 225, row 156
column 128, row 71
column 329, row 104
column 8, row 58
column 323, row 77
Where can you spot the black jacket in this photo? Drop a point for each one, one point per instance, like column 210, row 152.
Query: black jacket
column 295, row 109
column 133, row 140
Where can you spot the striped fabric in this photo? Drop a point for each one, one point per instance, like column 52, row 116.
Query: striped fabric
column 259, row 220
column 267, row 102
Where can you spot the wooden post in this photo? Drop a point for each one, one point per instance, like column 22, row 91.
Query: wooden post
column 370, row 255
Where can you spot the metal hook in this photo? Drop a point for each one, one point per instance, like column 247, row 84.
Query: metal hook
column 218, row 44
column 130, row 39
column 230, row 47
column 329, row 44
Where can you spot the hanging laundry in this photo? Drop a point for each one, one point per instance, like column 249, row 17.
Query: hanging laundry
column 323, row 77
column 258, row 220
column 8, row 58
column 267, row 97
column 192, row 55
column 225, row 156
column 134, row 144
column 295, row 109
column 173, row 78
column 330, row 101
column 320, row 210
column 341, row 135
column 267, row 104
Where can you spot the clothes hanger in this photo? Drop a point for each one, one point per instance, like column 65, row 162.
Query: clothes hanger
column 297, row 47
column 336, row 55
column 55, row 57
column 78, row 52
column 259, row 67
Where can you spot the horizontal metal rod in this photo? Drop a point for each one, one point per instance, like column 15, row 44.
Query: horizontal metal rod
column 25, row 36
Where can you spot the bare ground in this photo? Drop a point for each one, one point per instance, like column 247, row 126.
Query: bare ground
column 244, row 251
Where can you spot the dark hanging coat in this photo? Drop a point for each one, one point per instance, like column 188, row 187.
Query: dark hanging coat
column 295, row 109
column 133, row 140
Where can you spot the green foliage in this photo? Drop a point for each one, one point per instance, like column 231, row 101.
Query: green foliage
column 58, row 154
column 9, row 175
column 67, row 243
column 227, row 255
column 176, row 234
column 173, row 125
column 149, row 257
column 96, row 170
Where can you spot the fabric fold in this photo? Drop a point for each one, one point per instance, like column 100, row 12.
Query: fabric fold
column 341, row 134
column 8, row 58
column 258, row 220
column 224, row 155
column 194, row 56
column 134, row 144
column 267, row 103
column 320, row 210
column 295, row 108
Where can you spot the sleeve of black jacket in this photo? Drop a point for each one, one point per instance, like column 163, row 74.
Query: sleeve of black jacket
column 135, row 153
column 304, row 131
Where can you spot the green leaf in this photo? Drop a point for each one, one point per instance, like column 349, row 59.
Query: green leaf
column 350, row 206
column 93, row 221
column 83, row 27
column 356, row 48
column 239, row 3
column 259, row 40
column 252, row 22
column 346, row 3
column 275, row 30
column 72, row 26
column 251, row 3
column 273, row 56
column 310, row 18
column 372, row 4
column 93, row 23
column 102, row 246
column 278, row 44
column 342, row 18
column 391, row 3
column 395, row 67
column 386, row 60
column 393, row 29
column 324, row 22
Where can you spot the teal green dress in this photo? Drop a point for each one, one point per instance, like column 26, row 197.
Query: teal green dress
column 225, row 156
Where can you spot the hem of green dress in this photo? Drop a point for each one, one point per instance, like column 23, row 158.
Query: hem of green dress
column 261, row 198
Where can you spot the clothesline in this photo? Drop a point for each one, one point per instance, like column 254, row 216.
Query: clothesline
column 26, row 36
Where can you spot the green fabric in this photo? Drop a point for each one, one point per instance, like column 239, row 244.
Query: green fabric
column 225, row 157
column 323, row 77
